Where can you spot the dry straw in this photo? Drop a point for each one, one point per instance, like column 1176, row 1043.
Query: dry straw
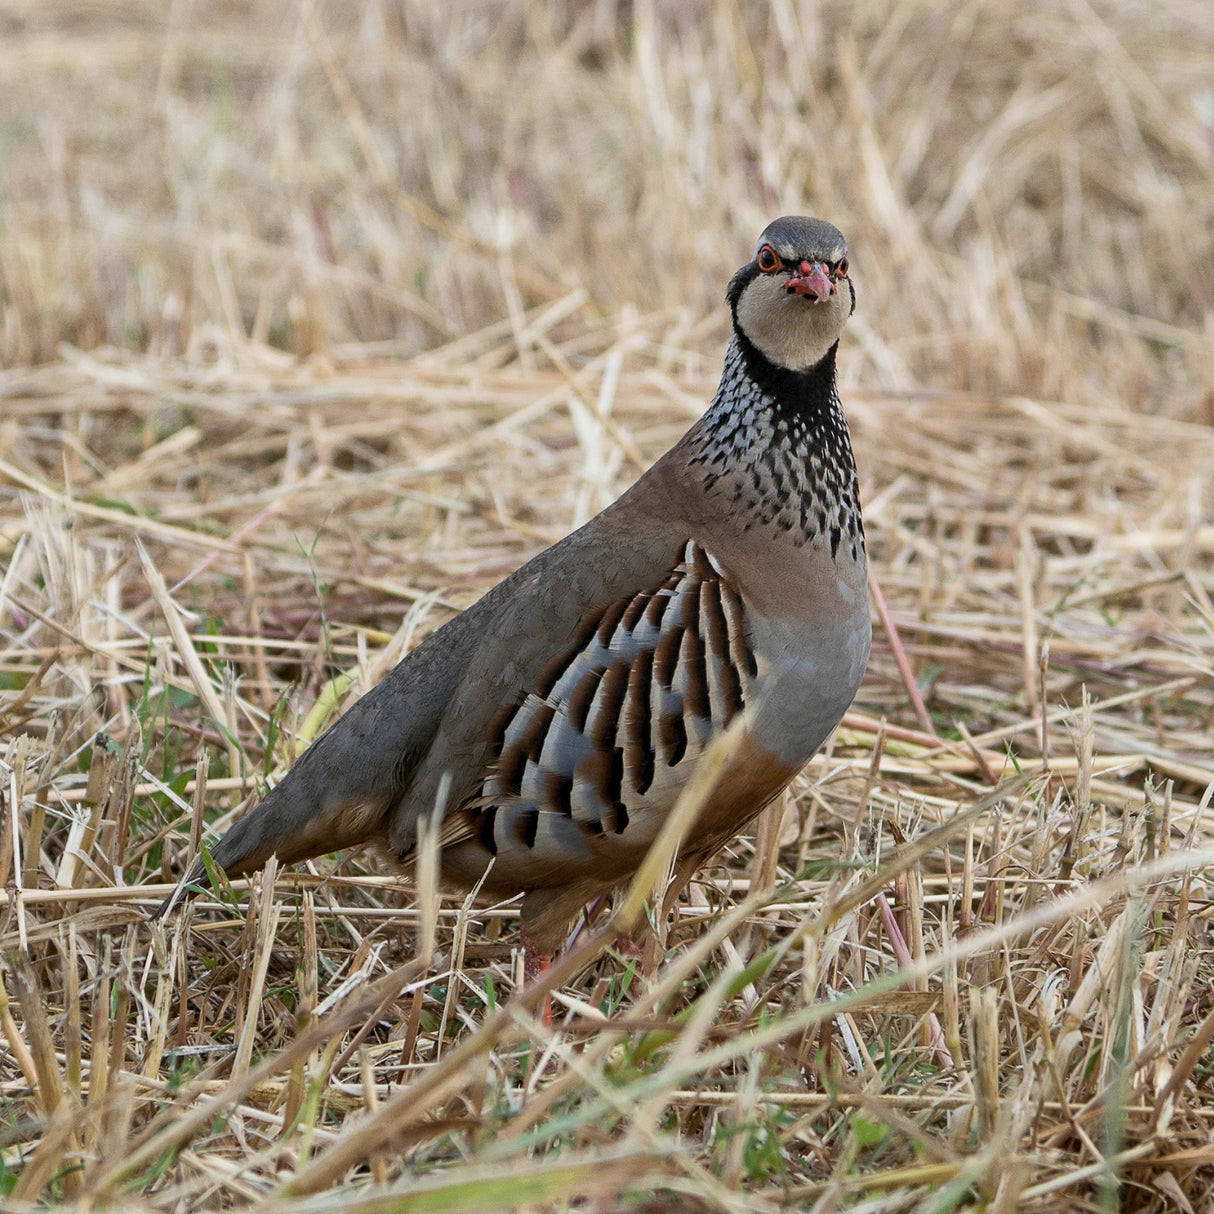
column 319, row 319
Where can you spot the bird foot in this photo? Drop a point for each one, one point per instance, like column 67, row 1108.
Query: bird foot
column 628, row 948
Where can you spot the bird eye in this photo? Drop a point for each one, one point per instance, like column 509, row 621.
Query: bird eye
column 768, row 259
column 841, row 268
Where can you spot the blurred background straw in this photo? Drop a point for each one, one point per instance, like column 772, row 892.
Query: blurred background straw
column 1027, row 188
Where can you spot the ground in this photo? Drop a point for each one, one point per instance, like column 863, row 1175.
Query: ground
column 319, row 320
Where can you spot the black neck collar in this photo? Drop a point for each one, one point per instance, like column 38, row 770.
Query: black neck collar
column 809, row 394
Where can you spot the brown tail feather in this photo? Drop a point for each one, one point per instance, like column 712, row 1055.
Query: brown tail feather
column 284, row 828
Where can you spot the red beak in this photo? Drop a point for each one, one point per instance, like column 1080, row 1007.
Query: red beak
column 813, row 280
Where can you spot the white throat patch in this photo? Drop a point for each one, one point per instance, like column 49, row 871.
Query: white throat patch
column 791, row 330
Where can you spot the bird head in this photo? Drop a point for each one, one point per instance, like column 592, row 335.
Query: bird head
column 793, row 298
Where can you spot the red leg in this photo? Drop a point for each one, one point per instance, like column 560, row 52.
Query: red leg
column 535, row 964
column 630, row 950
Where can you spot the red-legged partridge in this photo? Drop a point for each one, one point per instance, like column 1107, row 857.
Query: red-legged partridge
column 555, row 721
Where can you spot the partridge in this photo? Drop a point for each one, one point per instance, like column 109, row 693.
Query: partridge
column 551, row 725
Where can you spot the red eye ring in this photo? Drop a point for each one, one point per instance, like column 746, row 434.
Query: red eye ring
column 768, row 259
column 841, row 268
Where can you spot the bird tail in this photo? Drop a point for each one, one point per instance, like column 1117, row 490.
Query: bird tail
column 343, row 786
column 290, row 826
